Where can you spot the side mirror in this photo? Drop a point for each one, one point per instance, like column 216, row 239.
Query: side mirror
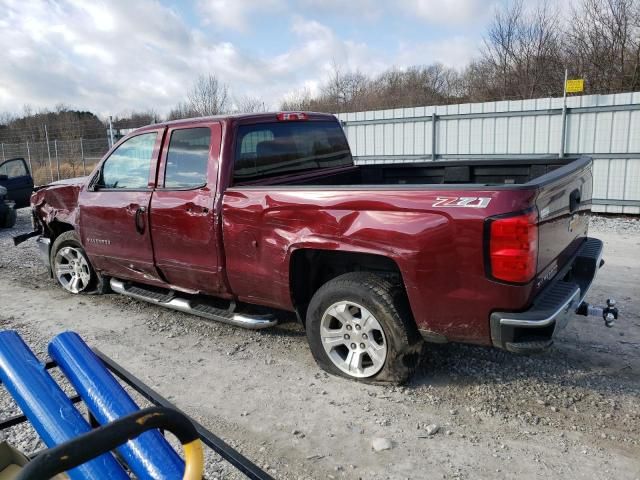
column 4, row 176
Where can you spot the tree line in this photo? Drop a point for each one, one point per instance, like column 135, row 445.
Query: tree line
column 525, row 51
column 524, row 54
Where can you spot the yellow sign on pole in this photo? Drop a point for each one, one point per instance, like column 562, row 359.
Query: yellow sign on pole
column 575, row 86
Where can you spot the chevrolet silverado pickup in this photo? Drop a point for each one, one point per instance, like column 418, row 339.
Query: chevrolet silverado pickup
column 233, row 218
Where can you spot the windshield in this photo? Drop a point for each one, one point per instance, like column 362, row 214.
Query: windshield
column 270, row 149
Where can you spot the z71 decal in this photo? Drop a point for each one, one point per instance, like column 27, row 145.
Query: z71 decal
column 467, row 202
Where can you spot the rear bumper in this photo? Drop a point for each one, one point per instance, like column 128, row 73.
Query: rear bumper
column 533, row 329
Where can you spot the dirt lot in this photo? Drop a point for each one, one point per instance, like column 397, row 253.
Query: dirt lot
column 572, row 412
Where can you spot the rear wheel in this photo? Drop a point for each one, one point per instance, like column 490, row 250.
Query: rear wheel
column 359, row 327
column 71, row 267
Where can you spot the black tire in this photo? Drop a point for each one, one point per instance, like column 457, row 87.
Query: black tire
column 97, row 284
column 389, row 305
column 10, row 218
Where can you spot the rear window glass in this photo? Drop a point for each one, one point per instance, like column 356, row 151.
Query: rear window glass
column 271, row 149
column 188, row 158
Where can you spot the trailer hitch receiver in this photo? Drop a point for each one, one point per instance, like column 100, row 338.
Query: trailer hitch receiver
column 609, row 313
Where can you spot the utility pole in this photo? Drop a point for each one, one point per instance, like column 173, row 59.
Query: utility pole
column 111, row 131
column 563, row 133
column 46, row 134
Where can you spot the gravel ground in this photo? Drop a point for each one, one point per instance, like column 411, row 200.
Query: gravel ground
column 469, row 412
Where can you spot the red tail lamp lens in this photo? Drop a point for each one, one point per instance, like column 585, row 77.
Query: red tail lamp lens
column 513, row 248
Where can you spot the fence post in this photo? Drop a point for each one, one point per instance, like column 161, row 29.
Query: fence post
column 434, row 119
column 84, row 165
column 55, row 146
column 110, row 132
column 46, row 134
column 563, row 128
column 3, row 152
column 29, row 158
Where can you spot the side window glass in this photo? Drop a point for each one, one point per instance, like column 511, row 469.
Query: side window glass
column 129, row 165
column 13, row 169
column 188, row 158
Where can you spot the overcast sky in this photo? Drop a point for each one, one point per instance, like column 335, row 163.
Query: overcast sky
column 112, row 57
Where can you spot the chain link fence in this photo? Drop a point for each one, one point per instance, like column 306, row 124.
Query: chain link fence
column 59, row 159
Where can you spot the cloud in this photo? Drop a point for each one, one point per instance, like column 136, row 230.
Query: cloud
column 448, row 12
column 235, row 14
column 121, row 56
column 369, row 9
column 455, row 52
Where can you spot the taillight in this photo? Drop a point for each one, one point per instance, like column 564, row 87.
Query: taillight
column 285, row 116
column 513, row 247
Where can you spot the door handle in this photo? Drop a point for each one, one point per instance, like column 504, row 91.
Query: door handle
column 139, row 221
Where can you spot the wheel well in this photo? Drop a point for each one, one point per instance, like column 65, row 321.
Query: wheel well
column 56, row 228
column 310, row 269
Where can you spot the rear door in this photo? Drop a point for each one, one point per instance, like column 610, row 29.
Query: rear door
column 15, row 177
column 183, row 215
column 564, row 207
column 114, row 209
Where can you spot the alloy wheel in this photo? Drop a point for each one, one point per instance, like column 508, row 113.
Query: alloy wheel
column 72, row 269
column 353, row 339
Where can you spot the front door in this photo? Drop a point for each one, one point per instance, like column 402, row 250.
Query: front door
column 114, row 210
column 183, row 216
column 14, row 176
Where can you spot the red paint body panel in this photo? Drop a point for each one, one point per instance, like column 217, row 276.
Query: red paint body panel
column 108, row 234
column 238, row 241
column 439, row 251
column 184, row 228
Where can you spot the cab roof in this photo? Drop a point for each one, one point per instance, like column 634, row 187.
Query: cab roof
column 240, row 118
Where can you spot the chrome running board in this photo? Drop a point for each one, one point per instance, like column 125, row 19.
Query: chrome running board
column 172, row 301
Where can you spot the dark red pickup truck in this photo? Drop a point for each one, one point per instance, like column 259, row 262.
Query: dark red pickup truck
column 224, row 216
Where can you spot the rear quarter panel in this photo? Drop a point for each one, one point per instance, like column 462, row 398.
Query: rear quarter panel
column 439, row 250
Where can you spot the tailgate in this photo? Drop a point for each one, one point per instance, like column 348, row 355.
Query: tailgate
column 564, row 207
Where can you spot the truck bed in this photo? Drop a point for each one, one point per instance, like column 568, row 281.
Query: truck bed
column 475, row 173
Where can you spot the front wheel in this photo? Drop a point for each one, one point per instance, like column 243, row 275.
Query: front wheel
column 359, row 326
column 70, row 265
column 10, row 218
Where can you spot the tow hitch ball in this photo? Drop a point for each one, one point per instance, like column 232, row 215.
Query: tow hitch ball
column 609, row 313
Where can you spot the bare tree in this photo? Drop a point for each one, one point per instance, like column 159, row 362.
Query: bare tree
column 135, row 119
column 344, row 90
column 181, row 110
column 604, row 44
column 299, row 100
column 208, row 96
column 248, row 104
column 521, row 56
